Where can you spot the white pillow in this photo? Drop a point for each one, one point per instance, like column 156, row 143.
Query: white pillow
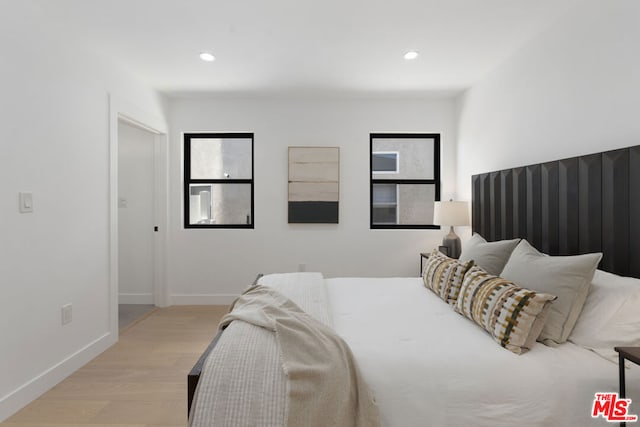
column 611, row 315
column 567, row 277
column 491, row 256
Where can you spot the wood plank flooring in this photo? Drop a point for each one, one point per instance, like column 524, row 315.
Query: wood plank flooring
column 139, row 382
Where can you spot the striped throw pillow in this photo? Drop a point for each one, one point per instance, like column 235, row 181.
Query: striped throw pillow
column 512, row 315
column 443, row 275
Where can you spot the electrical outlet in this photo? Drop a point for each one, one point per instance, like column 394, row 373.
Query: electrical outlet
column 302, row 267
column 67, row 313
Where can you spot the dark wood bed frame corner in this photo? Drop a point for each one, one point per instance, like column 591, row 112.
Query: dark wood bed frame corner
column 194, row 375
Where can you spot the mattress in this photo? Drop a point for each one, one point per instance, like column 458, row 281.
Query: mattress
column 428, row 365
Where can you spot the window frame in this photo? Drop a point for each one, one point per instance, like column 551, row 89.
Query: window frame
column 187, row 137
column 397, row 170
column 435, row 181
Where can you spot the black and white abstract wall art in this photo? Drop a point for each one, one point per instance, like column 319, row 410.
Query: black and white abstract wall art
column 314, row 182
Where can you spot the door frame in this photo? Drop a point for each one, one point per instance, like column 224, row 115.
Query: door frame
column 120, row 109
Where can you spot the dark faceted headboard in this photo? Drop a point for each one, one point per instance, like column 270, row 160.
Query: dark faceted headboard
column 565, row 207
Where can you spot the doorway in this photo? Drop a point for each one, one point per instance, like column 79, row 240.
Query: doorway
column 136, row 222
column 122, row 111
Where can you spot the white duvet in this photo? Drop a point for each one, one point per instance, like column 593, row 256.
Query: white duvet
column 429, row 366
column 425, row 364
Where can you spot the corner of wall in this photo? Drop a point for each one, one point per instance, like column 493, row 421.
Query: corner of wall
column 458, row 115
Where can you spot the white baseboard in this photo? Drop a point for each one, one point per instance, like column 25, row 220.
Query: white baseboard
column 206, row 299
column 135, row 298
column 34, row 388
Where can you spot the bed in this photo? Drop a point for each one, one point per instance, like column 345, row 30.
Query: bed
column 428, row 365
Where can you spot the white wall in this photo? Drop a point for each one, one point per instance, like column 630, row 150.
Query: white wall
column 575, row 89
column 136, row 211
column 219, row 263
column 54, row 142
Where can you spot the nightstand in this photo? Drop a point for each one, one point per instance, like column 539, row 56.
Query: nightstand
column 423, row 256
column 629, row 353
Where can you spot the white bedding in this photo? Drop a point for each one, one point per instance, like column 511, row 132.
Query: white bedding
column 428, row 365
column 425, row 364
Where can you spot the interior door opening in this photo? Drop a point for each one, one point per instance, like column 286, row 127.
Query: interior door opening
column 136, row 222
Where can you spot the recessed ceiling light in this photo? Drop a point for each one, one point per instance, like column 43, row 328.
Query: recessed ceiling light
column 412, row 54
column 206, row 56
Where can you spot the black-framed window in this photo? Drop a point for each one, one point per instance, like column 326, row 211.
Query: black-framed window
column 218, row 180
column 404, row 179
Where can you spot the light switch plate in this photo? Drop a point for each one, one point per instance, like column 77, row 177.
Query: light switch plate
column 25, row 202
column 66, row 313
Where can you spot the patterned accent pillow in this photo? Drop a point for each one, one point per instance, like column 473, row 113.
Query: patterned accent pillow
column 444, row 275
column 512, row 315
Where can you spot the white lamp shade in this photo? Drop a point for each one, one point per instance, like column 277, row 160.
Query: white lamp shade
column 451, row 213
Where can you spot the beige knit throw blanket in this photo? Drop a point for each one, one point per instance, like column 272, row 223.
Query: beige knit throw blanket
column 324, row 385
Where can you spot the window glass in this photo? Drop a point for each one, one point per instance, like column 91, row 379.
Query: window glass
column 385, row 194
column 385, row 215
column 218, row 180
column 384, row 162
column 221, row 158
column 385, row 202
column 220, row 204
column 414, row 157
column 415, row 203
column 405, row 180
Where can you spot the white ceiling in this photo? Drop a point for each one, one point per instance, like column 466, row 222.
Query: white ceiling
column 304, row 45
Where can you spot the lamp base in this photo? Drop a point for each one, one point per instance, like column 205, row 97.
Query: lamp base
column 452, row 242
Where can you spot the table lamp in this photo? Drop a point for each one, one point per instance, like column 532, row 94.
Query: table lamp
column 451, row 213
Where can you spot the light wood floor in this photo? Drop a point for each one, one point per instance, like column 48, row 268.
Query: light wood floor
column 139, row 382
